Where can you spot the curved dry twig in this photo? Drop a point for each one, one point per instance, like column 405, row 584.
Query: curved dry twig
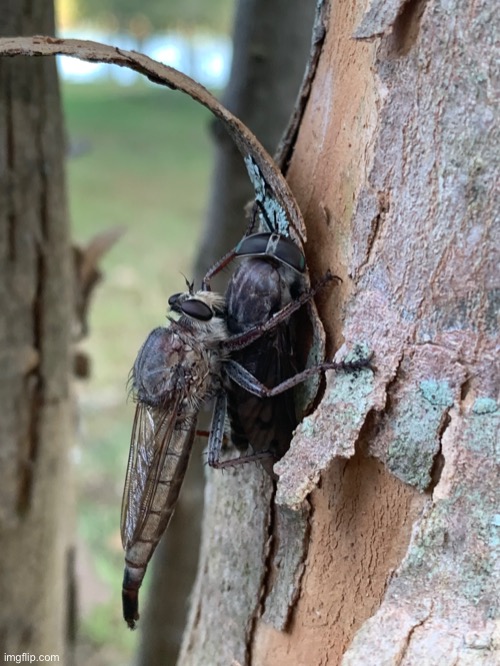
column 247, row 143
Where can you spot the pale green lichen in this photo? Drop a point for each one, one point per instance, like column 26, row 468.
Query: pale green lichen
column 483, row 437
column 437, row 392
column 484, row 405
column 274, row 210
column 416, row 432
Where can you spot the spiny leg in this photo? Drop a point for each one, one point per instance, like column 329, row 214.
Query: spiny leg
column 241, row 376
column 226, row 259
column 242, row 340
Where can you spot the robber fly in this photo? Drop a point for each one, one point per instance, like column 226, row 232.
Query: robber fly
column 179, row 367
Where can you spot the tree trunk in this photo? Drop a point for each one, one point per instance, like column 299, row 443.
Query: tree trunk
column 35, row 315
column 268, row 64
column 379, row 545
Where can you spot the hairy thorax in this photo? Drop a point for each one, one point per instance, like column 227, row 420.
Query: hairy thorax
column 179, row 360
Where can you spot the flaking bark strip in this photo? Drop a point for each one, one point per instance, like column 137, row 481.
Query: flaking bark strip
column 268, row 548
column 410, row 430
column 330, row 432
column 167, row 76
column 382, row 15
column 285, row 148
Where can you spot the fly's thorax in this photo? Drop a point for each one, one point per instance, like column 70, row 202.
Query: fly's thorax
column 204, row 360
column 171, row 360
column 258, row 289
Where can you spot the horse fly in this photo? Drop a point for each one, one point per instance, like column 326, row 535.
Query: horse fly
column 269, row 277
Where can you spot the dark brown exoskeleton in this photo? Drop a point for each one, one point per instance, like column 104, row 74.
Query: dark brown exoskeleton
column 269, row 277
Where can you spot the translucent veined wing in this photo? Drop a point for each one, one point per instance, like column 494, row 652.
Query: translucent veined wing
column 156, row 445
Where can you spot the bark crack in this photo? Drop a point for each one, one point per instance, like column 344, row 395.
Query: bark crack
column 376, row 224
column 270, row 548
column 28, row 464
column 406, row 27
column 9, row 144
column 439, row 460
column 409, row 636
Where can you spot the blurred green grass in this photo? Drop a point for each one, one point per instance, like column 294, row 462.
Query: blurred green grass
column 140, row 159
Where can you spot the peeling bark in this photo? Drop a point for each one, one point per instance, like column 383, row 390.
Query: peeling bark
column 408, row 174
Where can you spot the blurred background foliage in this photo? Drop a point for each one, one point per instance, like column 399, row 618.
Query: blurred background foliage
column 139, row 157
column 143, row 18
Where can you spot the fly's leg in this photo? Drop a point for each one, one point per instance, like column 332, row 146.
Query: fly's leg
column 206, row 435
column 217, row 429
column 242, row 460
column 242, row 340
column 225, row 260
column 241, row 376
column 217, row 435
column 217, row 268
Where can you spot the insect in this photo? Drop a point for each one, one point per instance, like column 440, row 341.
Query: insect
column 260, row 287
column 179, row 367
column 270, row 277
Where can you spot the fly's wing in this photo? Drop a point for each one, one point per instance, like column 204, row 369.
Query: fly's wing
column 159, row 452
column 255, row 292
column 266, row 424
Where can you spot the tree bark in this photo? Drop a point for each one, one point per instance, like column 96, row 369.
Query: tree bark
column 393, row 557
column 35, row 315
column 271, row 44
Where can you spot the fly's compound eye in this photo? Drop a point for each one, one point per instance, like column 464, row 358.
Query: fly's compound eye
column 273, row 246
column 290, row 254
column 197, row 309
column 174, row 299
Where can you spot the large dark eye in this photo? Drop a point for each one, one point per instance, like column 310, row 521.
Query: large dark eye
column 290, row 254
column 174, row 299
column 197, row 309
column 274, row 247
column 255, row 244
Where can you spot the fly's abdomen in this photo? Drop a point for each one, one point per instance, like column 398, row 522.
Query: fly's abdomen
column 258, row 290
column 158, row 500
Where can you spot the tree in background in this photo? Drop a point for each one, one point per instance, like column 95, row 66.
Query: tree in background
column 149, row 16
column 36, row 316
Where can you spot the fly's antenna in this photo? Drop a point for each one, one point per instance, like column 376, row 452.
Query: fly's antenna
column 189, row 285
